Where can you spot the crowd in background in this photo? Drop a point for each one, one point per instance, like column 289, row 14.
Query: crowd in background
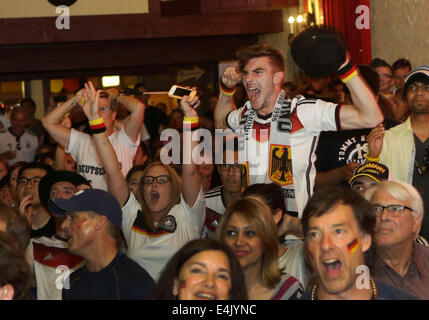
column 85, row 188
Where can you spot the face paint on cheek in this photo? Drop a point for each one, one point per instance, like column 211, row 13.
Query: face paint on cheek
column 82, row 223
column 352, row 246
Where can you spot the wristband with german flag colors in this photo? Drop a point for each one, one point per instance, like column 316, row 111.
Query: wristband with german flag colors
column 347, row 73
column 96, row 121
column 225, row 90
column 190, row 124
column 97, row 126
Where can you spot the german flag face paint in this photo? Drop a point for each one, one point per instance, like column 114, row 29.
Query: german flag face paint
column 352, row 246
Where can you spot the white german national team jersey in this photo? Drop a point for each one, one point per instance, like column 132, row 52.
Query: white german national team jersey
column 88, row 164
column 46, row 256
column 215, row 207
column 152, row 250
column 25, row 147
column 308, row 118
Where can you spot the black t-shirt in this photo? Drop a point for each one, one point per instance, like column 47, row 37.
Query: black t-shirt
column 421, row 179
column 48, row 230
column 122, row 279
column 338, row 148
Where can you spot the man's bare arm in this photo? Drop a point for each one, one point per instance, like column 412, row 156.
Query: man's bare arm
column 134, row 122
column 52, row 122
column 116, row 182
column 225, row 103
column 365, row 113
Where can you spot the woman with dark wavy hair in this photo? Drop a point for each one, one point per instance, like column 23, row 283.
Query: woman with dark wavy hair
column 203, row 269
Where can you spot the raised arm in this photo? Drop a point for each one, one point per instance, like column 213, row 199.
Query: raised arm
column 365, row 113
column 52, row 122
column 191, row 184
column 134, row 122
column 225, row 103
column 115, row 179
column 335, row 176
column 375, row 143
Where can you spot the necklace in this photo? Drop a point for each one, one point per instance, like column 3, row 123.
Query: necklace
column 373, row 285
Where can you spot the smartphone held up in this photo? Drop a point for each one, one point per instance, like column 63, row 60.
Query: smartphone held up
column 179, row 92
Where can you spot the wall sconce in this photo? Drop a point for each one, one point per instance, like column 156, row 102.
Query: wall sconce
column 300, row 22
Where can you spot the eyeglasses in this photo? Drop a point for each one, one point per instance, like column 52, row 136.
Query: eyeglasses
column 415, row 87
column 159, row 179
column 23, row 181
column 103, row 109
column 236, row 167
column 393, row 210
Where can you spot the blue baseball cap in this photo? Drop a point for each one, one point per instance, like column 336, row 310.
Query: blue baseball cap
column 96, row 200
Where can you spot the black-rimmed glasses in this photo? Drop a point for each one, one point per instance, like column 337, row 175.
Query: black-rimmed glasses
column 159, row 179
column 393, row 210
column 23, row 181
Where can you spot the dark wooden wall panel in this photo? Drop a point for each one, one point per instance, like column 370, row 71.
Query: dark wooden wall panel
column 222, row 5
column 141, row 26
column 62, row 60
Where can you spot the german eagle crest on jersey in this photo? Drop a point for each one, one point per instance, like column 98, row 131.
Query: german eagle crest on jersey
column 280, row 165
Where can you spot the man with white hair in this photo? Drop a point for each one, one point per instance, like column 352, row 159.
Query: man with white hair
column 397, row 258
column 404, row 149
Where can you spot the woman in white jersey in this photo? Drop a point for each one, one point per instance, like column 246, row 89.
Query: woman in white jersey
column 169, row 210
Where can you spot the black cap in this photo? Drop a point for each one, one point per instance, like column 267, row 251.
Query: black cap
column 319, row 51
column 50, row 179
column 374, row 170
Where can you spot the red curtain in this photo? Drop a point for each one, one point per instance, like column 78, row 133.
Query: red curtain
column 342, row 15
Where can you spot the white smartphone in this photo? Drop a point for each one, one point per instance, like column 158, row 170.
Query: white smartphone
column 179, row 92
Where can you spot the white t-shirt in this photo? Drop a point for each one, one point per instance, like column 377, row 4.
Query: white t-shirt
column 83, row 150
column 4, row 119
column 144, row 134
column 152, row 250
column 293, row 263
column 25, row 147
column 308, row 118
column 46, row 256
